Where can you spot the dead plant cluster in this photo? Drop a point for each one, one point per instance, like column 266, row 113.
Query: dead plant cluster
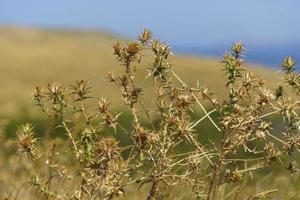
column 91, row 164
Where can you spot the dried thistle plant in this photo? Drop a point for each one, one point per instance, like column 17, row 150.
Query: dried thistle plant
column 104, row 166
column 27, row 139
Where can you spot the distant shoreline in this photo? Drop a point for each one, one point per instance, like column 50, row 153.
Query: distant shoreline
column 262, row 55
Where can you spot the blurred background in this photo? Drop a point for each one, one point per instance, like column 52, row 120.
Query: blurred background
column 270, row 29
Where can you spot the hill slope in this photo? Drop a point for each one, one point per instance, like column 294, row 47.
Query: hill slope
column 30, row 57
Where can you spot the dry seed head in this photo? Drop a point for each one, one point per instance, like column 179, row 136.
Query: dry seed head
column 160, row 49
column 117, row 49
column 233, row 177
column 37, row 92
column 293, row 79
column 82, row 89
column 292, row 143
column 107, row 147
column 112, row 77
column 265, row 97
column 238, row 48
column 54, row 88
column 292, row 167
column 232, row 67
column 128, row 53
column 272, row 151
column 110, row 120
column 159, row 68
column 169, row 119
column 260, row 134
column 265, row 126
column 103, row 106
column 26, row 137
column 228, row 59
column 124, row 81
column 287, row 106
column 194, row 161
column 232, row 62
column 226, row 122
column 136, row 92
column 183, row 128
column 143, row 137
column 248, row 80
column 38, row 97
column 288, row 65
column 56, row 92
column 133, row 48
column 263, row 129
column 145, row 36
column 184, row 101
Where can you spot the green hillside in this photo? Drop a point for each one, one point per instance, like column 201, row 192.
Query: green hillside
column 30, row 56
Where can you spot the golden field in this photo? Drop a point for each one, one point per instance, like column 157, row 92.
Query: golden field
column 30, row 57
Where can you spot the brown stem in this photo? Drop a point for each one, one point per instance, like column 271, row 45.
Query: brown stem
column 153, row 189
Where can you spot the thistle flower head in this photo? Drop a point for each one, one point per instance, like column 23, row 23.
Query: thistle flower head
column 272, row 151
column 238, row 48
column 183, row 101
column 233, row 176
column 145, row 36
column 37, row 92
column 288, row 65
column 103, row 106
column 117, row 49
column 184, row 129
column 127, row 53
column 159, row 68
column 232, row 67
column 160, row 48
column 107, row 147
column 112, row 78
column 263, row 129
column 133, row 48
column 81, row 89
column 142, row 137
column 292, row 144
column 56, row 92
column 54, row 88
column 110, row 120
column 27, row 139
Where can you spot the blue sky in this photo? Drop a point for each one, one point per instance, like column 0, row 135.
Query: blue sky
column 207, row 22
